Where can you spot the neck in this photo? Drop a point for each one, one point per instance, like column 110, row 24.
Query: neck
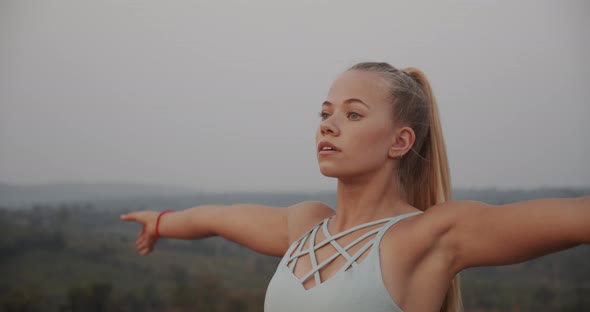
column 372, row 197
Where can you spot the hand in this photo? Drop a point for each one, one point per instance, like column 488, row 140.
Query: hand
column 146, row 239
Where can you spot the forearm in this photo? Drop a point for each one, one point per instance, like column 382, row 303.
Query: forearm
column 261, row 228
column 191, row 223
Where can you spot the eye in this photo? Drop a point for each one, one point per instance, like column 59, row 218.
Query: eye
column 354, row 116
column 323, row 115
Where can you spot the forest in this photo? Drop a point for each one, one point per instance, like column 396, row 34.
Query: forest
column 77, row 256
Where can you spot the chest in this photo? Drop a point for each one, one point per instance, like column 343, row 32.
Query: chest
column 370, row 264
column 320, row 256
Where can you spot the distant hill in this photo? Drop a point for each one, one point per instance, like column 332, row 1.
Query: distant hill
column 504, row 196
column 27, row 195
column 20, row 195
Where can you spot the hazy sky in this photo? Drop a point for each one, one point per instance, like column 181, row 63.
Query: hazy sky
column 225, row 95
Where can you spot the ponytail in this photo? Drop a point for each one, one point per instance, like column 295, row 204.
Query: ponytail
column 434, row 185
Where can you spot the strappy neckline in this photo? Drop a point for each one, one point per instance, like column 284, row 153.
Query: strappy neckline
column 360, row 226
column 341, row 251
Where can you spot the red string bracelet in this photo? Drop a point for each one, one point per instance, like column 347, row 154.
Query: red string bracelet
column 158, row 221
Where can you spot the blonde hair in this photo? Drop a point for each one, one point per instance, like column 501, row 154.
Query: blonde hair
column 423, row 173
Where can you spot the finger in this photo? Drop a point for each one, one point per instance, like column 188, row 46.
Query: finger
column 126, row 217
column 132, row 216
column 143, row 242
column 141, row 236
column 140, row 244
column 140, row 239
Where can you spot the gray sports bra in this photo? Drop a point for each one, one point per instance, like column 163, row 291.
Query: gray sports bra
column 355, row 287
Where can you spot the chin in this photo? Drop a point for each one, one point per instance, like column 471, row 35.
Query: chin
column 332, row 171
column 329, row 171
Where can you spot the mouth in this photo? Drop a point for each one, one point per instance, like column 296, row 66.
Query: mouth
column 327, row 148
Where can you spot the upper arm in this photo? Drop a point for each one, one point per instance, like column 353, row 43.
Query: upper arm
column 479, row 234
column 265, row 229
column 304, row 216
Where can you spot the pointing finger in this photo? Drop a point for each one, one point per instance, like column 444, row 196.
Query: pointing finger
column 132, row 216
column 127, row 217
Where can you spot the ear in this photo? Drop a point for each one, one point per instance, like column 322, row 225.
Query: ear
column 403, row 141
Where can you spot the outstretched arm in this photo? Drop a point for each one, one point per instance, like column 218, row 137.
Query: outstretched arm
column 264, row 229
column 480, row 234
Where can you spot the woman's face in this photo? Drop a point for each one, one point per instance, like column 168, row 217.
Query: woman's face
column 357, row 120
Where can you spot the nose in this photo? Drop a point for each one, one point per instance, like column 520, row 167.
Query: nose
column 327, row 126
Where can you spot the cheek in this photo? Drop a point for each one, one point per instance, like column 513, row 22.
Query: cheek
column 374, row 140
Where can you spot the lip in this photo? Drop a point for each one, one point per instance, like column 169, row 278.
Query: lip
column 323, row 144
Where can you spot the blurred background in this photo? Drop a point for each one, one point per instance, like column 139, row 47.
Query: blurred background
column 114, row 106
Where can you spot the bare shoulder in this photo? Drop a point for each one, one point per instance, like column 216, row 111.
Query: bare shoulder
column 304, row 215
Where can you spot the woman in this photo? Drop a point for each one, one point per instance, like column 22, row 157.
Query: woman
column 395, row 240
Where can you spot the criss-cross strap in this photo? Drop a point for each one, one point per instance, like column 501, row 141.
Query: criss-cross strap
column 351, row 260
column 301, row 243
column 334, row 243
column 393, row 221
column 314, row 263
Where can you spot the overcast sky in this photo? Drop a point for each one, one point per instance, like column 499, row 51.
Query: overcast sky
column 225, row 95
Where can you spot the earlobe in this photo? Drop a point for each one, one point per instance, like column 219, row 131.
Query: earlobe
column 402, row 143
column 398, row 150
column 395, row 153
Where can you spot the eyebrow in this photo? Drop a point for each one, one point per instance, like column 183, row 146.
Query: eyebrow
column 346, row 102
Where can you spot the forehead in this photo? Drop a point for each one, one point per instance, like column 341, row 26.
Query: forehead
column 370, row 87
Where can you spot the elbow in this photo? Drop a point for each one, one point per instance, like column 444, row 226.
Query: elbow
column 583, row 236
